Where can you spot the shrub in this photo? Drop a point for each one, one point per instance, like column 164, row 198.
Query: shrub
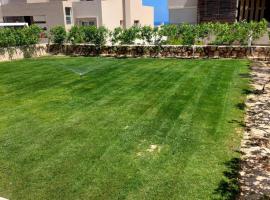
column 182, row 34
column 146, row 34
column 58, row 34
column 170, row 31
column 126, row 36
column 258, row 29
column 223, row 32
column 76, row 35
column 239, row 32
column 188, row 34
column 158, row 39
column 202, row 31
column 172, row 34
column 7, row 37
column 10, row 37
column 31, row 34
column 100, row 37
column 185, row 34
column 116, row 35
column 130, row 35
column 89, row 34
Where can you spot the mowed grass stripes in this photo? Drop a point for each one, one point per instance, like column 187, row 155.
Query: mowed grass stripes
column 127, row 129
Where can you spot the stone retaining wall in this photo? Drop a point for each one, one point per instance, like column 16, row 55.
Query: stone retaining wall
column 15, row 53
column 256, row 52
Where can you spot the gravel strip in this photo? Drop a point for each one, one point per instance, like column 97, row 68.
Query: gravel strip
column 255, row 172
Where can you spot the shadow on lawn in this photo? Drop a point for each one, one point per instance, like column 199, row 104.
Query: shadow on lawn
column 247, row 91
column 240, row 123
column 241, row 106
column 229, row 188
column 245, row 75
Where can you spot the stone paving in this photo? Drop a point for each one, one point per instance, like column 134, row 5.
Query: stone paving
column 255, row 169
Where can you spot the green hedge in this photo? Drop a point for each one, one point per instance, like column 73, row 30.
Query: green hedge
column 58, row 34
column 239, row 33
column 79, row 35
column 10, row 37
column 184, row 34
column 224, row 33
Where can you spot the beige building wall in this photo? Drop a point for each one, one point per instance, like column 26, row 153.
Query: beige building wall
column 1, row 14
column 87, row 11
column 182, row 11
column 112, row 13
column 38, row 1
column 52, row 12
column 108, row 13
column 135, row 11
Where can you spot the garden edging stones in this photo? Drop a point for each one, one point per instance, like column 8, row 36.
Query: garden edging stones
column 15, row 53
column 255, row 172
column 166, row 51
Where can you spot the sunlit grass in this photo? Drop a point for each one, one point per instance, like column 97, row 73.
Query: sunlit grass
column 126, row 129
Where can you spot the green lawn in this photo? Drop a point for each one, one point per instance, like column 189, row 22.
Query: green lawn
column 127, row 129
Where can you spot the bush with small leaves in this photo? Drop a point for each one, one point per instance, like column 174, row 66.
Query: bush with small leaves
column 128, row 36
column 239, row 32
column 58, row 34
column 258, row 29
column 31, row 34
column 7, row 37
column 89, row 34
column 146, row 34
column 101, row 35
column 184, row 34
column 10, row 37
column 224, row 34
column 115, row 35
column 76, row 35
column 188, row 34
column 171, row 31
column 202, row 31
column 158, row 38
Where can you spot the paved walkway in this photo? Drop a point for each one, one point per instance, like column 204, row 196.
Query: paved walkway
column 255, row 174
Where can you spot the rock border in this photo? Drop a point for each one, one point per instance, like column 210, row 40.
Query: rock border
column 255, row 167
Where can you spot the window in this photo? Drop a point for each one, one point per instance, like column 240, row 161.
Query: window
column 136, row 22
column 68, row 13
column 39, row 19
column 121, row 23
column 88, row 23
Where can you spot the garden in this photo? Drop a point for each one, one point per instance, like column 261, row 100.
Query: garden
column 85, row 127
